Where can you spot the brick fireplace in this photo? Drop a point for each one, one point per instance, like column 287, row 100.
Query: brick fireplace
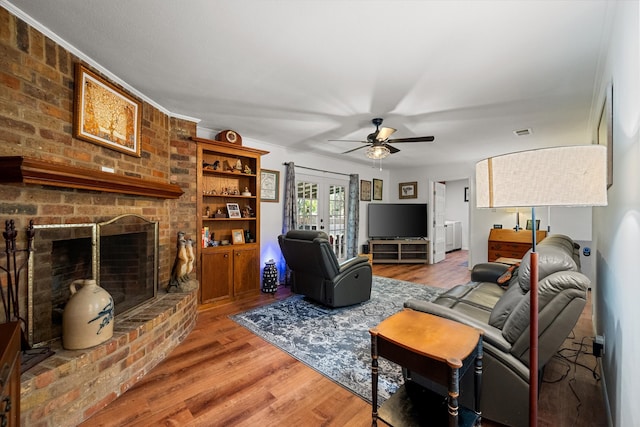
column 124, row 255
column 60, row 181
column 70, row 386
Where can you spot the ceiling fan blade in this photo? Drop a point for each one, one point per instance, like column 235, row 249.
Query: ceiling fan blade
column 348, row 140
column 391, row 148
column 414, row 139
column 384, row 133
column 354, row 149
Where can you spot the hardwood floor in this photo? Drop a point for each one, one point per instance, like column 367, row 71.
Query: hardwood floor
column 223, row 375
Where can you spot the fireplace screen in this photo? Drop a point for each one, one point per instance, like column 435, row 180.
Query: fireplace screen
column 120, row 254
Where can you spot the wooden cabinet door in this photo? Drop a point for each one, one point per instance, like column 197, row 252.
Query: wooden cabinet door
column 216, row 281
column 245, row 270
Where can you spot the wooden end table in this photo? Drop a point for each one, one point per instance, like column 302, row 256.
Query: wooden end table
column 439, row 349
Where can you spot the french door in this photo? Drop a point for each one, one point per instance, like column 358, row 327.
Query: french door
column 322, row 205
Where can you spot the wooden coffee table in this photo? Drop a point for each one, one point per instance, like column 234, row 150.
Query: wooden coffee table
column 438, row 349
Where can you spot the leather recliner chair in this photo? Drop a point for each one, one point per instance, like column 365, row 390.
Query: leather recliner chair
column 502, row 313
column 317, row 273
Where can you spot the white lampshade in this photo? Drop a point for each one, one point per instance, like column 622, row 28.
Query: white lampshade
column 560, row 176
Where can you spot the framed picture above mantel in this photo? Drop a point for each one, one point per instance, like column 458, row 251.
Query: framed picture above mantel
column 105, row 114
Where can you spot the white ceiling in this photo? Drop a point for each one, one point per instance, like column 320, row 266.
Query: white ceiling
column 298, row 73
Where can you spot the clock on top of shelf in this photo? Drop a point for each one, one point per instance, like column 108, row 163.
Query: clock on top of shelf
column 230, row 136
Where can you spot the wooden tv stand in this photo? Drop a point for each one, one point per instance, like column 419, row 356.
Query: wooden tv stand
column 401, row 251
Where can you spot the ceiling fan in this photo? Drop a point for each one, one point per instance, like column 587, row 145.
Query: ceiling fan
column 379, row 143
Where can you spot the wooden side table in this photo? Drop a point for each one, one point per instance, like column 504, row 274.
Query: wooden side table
column 438, row 349
column 10, row 334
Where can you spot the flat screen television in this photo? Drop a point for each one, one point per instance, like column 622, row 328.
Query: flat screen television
column 397, row 220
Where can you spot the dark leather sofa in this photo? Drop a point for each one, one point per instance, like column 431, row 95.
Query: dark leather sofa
column 502, row 313
column 317, row 273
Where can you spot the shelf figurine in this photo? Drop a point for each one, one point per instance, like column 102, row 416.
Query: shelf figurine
column 247, row 212
column 179, row 271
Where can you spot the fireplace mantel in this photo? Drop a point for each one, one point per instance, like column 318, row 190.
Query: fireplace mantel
column 30, row 170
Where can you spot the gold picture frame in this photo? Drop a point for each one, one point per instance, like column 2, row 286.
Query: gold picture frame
column 377, row 189
column 105, row 114
column 237, row 236
column 365, row 190
column 269, row 185
column 408, row 190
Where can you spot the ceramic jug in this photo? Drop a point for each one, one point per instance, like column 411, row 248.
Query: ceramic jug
column 88, row 317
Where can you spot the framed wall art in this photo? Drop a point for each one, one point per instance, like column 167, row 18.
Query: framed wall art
column 365, row 191
column 408, row 190
column 530, row 224
column 269, row 185
column 605, row 131
column 104, row 114
column 466, row 194
column 377, row 189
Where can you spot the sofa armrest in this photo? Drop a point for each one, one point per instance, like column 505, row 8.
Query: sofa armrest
column 488, row 271
column 490, row 334
column 351, row 262
column 351, row 285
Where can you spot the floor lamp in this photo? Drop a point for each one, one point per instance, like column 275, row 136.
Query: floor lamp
column 559, row 176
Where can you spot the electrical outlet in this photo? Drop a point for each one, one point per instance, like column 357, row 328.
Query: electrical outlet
column 598, row 346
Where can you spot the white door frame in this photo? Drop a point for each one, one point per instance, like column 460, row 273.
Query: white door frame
column 431, row 219
column 437, row 196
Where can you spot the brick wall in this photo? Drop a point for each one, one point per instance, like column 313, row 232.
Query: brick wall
column 36, row 113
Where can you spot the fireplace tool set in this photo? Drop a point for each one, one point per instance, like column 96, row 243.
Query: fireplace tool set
column 10, row 289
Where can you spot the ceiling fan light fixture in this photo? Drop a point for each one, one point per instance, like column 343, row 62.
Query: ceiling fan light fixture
column 377, row 152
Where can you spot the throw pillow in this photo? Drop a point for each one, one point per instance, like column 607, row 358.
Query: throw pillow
column 506, row 276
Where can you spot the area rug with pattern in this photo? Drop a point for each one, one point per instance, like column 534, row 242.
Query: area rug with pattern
column 336, row 342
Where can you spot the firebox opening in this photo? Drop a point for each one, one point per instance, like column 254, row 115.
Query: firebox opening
column 120, row 254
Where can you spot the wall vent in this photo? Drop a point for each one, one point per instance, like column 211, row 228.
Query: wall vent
column 523, row 132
